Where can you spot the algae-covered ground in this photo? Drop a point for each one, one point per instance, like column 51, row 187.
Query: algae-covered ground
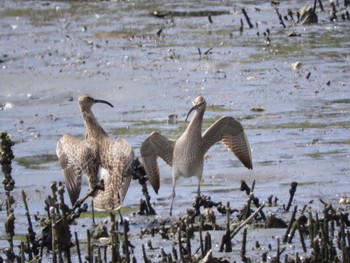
column 150, row 59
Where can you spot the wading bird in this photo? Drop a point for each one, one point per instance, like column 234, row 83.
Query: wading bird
column 98, row 157
column 186, row 154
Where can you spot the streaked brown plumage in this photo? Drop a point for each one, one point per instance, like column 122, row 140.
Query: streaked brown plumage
column 96, row 154
column 186, row 155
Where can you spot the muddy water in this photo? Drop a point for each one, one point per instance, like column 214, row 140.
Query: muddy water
column 51, row 52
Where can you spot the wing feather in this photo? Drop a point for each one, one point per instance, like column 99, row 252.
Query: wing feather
column 231, row 133
column 128, row 160
column 156, row 145
column 118, row 176
column 75, row 158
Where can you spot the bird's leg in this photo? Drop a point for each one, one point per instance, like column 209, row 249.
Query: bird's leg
column 199, row 186
column 172, row 200
column 93, row 212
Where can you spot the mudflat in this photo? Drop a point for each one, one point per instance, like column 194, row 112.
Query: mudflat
column 288, row 86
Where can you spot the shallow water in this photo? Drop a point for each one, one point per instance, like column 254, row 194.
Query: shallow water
column 53, row 51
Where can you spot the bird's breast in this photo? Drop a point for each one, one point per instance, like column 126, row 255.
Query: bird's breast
column 188, row 169
column 188, row 164
column 188, row 156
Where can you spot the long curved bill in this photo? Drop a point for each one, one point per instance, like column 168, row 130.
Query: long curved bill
column 104, row 101
column 189, row 112
column 193, row 108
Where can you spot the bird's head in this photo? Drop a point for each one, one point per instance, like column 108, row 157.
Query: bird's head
column 86, row 102
column 199, row 104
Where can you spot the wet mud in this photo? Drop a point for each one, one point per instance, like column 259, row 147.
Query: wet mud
column 286, row 82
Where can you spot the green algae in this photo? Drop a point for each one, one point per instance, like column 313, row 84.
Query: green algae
column 267, row 163
column 318, row 155
column 132, row 130
column 217, row 109
column 105, row 214
column 338, row 101
column 306, row 125
column 36, row 162
column 18, row 237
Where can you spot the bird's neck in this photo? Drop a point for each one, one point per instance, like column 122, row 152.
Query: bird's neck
column 93, row 128
column 195, row 126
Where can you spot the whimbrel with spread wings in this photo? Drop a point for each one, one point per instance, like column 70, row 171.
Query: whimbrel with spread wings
column 96, row 154
column 186, row 155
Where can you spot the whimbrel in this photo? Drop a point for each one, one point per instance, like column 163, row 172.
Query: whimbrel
column 96, row 154
column 186, row 155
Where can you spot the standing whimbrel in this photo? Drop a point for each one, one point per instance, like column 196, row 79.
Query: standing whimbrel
column 96, row 154
column 186, row 155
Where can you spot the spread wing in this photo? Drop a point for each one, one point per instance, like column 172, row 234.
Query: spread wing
column 230, row 132
column 128, row 160
column 156, row 145
column 76, row 158
column 119, row 160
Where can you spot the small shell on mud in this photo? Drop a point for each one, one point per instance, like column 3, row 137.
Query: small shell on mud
column 344, row 200
column 297, row 65
column 7, row 106
column 258, row 109
column 294, row 34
